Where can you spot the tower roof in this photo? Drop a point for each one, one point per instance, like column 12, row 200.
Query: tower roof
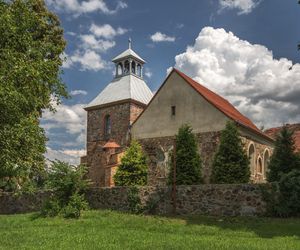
column 128, row 53
column 128, row 87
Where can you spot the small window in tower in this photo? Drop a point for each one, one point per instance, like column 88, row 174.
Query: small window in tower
column 107, row 126
column 120, row 69
column 173, row 110
column 126, row 67
column 139, row 70
column 133, row 67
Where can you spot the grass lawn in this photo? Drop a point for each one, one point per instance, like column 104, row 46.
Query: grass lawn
column 113, row 230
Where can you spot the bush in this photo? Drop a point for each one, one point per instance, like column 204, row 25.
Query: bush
column 230, row 164
column 289, row 188
column 284, row 159
column 68, row 184
column 188, row 162
column 133, row 168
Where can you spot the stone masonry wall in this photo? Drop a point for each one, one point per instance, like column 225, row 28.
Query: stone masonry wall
column 121, row 115
column 158, row 149
column 216, row 200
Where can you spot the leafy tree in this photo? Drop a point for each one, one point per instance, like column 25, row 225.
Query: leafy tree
column 230, row 164
column 284, row 159
column 188, row 162
column 133, row 168
column 31, row 45
column 67, row 184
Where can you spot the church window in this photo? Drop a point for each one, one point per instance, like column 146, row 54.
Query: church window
column 139, row 70
column 266, row 161
column 251, row 155
column 120, row 69
column 259, row 166
column 126, row 67
column 133, row 67
column 107, row 126
column 173, row 110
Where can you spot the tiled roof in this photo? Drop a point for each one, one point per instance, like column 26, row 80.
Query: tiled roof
column 111, row 144
column 273, row 132
column 221, row 104
column 123, row 88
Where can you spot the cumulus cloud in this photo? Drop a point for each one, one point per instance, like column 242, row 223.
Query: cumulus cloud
column 160, row 37
column 78, row 92
column 67, row 155
column 77, row 7
column 87, row 60
column 71, row 118
column 106, row 31
column 244, row 6
column 265, row 89
column 87, row 56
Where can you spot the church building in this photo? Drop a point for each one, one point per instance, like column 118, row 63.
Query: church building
column 126, row 109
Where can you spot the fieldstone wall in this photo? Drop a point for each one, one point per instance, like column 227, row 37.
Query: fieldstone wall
column 121, row 115
column 24, row 203
column 211, row 199
column 158, row 152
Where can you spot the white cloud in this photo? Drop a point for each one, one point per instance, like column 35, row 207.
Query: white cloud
column 87, row 60
column 88, row 53
column 265, row 89
column 90, row 42
column 78, row 92
column 244, row 6
column 148, row 73
column 70, row 118
column 160, row 37
column 106, row 31
column 78, row 7
column 67, row 155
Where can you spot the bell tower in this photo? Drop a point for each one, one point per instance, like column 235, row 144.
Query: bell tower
column 111, row 113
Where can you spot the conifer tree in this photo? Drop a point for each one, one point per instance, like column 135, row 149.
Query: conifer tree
column 284, row 158
column 188, row 162
column 133, row 168
column 231, row 164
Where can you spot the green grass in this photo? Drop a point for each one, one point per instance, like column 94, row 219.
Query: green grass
column 113, row 230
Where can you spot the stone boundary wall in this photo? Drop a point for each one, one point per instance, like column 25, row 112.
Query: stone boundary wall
column 210, row 199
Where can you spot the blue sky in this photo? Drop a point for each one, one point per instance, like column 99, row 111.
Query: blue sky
column 245, row 50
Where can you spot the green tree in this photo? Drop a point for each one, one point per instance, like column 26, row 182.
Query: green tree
column 188, row 161
column 284, row 159
column 133, row 168
column 31, row 45
column 230, row 164
column 289, row 197
column 67, row 184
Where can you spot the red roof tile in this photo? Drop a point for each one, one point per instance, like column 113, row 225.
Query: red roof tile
column 273, row 132
column 221, row 104
column 111, row 144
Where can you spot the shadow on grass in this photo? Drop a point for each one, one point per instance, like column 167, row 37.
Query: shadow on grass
column 263, row 227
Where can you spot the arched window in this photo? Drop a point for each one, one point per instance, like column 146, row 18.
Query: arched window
column 266, row 162
column 139, row 70
column 133, row 67
column 126, row 67
column 251, row 155
column 107, row 126
column 120, row 69
column 259, row 166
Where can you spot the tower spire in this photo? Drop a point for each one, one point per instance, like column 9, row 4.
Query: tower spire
column 129, row 43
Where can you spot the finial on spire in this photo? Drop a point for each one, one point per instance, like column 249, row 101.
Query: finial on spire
column 129, row 43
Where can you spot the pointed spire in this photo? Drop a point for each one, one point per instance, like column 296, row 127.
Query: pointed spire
column 129, row 43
